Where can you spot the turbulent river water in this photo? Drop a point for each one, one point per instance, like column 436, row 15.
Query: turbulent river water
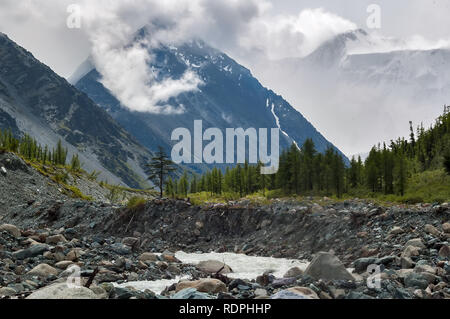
column 244, row 267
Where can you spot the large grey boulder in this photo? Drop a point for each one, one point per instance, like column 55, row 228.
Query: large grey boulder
column 63, row 291
column 213, row 266
column 327, row 267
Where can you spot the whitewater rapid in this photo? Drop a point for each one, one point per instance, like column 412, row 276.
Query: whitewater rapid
column 244, row 267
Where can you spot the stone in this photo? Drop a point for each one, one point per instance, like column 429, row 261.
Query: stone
column 294, row 272
column 361, row 264
column 190, row 293
column 444, row 252
column 327, row 267
column 416, row 242
column 130, row 241
column 410, row 251
column 32, row 251
column 358, row 295
column 430, row 229
column 446, row 228
column 304, row 291
column 213, row 266
column 203, row 285
column 406, row 263
column 43, row 270
column 63, row 264
column 120, row 249
column 56, row 239
column 286, row 294
column 148, row 257
column 170, row 257
column 425, row 268
column 11, row 229
column 259, row 292
column 417, row 280
column 7, row 292
column 63, row 291
column 280, row 282
column 396, row 230
column 74, row 254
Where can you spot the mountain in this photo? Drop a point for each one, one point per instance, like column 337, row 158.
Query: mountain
column 229, row 97
column 36, row 101
column 358, row 85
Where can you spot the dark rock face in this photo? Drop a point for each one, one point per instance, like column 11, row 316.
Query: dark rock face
column 51, row 108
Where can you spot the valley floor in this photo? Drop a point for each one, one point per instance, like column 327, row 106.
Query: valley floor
column 331, row 246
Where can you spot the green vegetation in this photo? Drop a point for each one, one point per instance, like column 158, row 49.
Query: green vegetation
column 406, row 171
column 136, row 202
column 158, row 169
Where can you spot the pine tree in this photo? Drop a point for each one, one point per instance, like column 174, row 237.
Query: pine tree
column 159, row 168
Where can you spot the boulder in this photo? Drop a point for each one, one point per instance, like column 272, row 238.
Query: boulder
column 11, row 229
column 416, row 242
column 32, row 251
column 120, row 249
column 410, row 251
column 304, row 291
column 361, row 264
column 280, row 282
column 148, row 257
column 207, row 285
column 74, row 254
column 293, row 273
column 446, row 228
column 396, row 230
column 43, row 270
column 56, row 239
column 417, row 280
column 213, row 266
column 444, row 252
column 286, row 294
column 430, row 229
column 63, row 291
column 327, row 267
column 63, row 264
column 7, row 292
column 170, row 257
column 190, row 293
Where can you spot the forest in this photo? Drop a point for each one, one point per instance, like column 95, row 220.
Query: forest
column 390, row 169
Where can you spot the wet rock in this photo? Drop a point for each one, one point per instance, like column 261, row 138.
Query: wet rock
column 307, row 292
column 328, row 267
column 203, row 285
column 358, row 295
column 169, row 257
column 213, row 266
column 406, row 262
column 63, row 291
column 11, row 229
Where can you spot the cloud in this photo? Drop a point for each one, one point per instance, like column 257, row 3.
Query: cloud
column 286, row 36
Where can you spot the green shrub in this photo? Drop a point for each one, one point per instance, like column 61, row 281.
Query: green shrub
column 136, row 202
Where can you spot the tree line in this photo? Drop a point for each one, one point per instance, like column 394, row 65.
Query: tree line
column 30, row 149
column 305, row 171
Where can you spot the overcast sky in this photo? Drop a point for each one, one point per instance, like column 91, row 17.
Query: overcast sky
column 243, row 29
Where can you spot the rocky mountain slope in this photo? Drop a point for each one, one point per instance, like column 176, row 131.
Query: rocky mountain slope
column 229, row 97
column 35, row 100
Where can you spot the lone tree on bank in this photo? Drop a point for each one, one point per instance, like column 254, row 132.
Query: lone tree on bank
column 159, row 168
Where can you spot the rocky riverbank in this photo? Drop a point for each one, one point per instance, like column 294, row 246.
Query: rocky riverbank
column 113, row 246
